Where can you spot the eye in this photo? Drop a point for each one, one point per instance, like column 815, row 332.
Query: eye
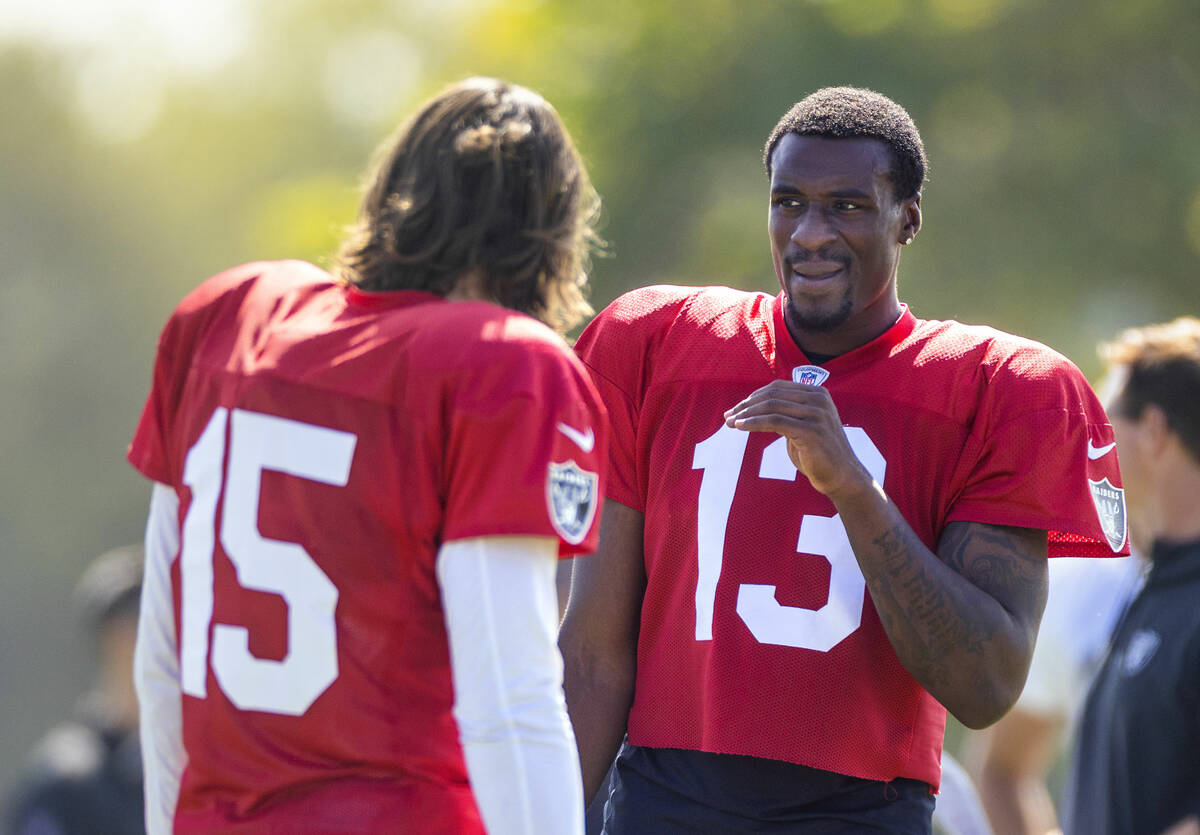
column 846, row 205
column 786, row 202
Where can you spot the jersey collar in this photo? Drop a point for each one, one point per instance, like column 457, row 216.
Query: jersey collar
column 388, row 298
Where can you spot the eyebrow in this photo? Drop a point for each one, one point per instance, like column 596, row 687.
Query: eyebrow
column 842, row 193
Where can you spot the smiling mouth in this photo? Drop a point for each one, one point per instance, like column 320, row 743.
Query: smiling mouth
column 817, row 271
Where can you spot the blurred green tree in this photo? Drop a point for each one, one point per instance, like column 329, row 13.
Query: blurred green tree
column 148, row 147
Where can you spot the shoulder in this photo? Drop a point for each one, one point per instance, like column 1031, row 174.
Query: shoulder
column 68, row 753
column 260, row 282
column 1001, row 363
column 652, row 314
column 495, row 348
column 482, row 332
column 262, row 277
column 997, row 351
column 663, row 304
column 79, row 778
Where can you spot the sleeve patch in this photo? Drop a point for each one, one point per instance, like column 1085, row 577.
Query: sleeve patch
column 571, row 497
column 1110, row 509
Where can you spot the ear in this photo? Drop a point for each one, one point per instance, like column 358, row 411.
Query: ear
column 1155, row 429
column 912, row 219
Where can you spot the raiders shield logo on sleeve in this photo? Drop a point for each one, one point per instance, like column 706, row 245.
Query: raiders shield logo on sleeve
column 571, row 499
column 1110, row 508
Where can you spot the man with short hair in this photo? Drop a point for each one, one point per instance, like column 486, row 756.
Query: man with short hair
column 827, row 520
column 1136, row 764
column 1014, row 758
column 85, row 774
column 362, row 488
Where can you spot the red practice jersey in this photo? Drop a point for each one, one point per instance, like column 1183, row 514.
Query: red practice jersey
column 758, row 636
column 324, row 442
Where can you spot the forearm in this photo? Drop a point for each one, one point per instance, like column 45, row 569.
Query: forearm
column 1017, row 804
column 599, row 694
column 599, row 638
column 1011, row 760
column 957, row 640
column 524, row 771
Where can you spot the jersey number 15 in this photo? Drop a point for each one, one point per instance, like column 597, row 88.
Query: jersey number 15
column 257, row 442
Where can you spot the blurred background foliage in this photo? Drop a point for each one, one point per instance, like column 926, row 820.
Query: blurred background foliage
column 149, row 143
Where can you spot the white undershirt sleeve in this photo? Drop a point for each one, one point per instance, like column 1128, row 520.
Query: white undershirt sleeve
column 501, row 611
column 156, row 667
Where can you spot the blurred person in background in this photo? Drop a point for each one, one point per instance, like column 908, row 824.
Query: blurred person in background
column 85, row 775
column 362, row 487
column 827, row 520
column 1135, row 769
column 1013, row 759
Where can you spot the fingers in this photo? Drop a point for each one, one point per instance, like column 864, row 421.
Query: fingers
column 780, row 405
column 783, row 419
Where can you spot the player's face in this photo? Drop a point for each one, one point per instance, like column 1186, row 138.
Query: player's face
column 836, row 232
column 1130, row 435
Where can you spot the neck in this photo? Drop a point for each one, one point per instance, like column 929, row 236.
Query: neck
column 851, row 335
column 469, row 288
column 1172, row 517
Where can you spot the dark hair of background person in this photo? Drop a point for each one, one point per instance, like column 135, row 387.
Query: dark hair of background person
column 854, row 113
column 1163, row 363
column 483, row 177
column 110, row 587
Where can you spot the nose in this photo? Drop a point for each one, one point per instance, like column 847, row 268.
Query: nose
column 812, row 230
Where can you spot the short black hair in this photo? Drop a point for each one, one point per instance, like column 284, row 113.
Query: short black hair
column 855, row 113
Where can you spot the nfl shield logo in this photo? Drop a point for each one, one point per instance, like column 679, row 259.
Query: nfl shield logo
column 571, row 499
column 810, row 375
column 1110, row 508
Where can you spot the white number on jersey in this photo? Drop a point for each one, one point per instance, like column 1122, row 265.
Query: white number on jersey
column 720, row 456
column 257, row 442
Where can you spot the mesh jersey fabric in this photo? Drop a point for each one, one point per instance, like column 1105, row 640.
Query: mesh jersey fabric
column 454, row 411
column 756, row 635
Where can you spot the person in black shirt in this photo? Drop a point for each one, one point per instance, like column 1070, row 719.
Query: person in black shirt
column 1136, row 766
column 85, row 775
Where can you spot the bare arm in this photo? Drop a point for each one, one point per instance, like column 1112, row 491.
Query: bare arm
column 1012, row 759
column 962, row 620
column 598, row 640
column 1188, row 826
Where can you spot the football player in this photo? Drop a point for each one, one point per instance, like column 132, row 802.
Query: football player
column 362, row 484
column 827, row 519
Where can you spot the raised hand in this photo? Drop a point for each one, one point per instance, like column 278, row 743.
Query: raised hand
column 816, row 441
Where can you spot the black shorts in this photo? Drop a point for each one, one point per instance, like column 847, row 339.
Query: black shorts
column 668, row 791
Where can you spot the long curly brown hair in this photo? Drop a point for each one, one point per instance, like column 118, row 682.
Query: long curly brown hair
column 482, row 178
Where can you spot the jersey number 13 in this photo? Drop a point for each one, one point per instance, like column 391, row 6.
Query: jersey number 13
column 720, row 457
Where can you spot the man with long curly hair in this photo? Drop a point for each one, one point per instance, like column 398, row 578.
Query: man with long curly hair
column 362, row 485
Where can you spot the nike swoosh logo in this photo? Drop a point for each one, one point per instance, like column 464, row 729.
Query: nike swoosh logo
column 584, row 440
column 1093, row 452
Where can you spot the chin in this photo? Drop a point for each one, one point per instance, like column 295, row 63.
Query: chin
column 819, row 318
